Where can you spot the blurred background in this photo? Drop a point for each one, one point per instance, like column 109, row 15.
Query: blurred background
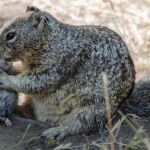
column 129, row 18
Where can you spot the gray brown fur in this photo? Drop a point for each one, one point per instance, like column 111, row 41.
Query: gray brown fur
column 65, row 65
column 8, row 98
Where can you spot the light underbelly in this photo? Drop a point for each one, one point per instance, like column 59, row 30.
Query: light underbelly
column 53, row 108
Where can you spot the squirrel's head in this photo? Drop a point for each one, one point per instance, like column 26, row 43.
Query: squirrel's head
column 28, row 31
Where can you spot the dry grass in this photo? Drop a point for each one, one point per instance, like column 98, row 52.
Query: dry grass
column 108, row 109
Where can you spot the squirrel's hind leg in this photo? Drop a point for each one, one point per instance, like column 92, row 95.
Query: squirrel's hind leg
column 86, row 120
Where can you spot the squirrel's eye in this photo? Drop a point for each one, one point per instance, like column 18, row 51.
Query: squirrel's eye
column 10, row 35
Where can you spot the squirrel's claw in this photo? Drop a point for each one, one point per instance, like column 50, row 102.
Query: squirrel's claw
column 6, row 121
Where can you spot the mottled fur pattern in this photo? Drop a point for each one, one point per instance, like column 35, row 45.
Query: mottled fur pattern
column 8, row 98
column 65, row 65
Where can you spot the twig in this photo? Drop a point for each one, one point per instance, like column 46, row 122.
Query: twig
column 108, row 108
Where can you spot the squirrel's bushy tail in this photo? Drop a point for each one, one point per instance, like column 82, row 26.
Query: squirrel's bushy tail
column 139, row 101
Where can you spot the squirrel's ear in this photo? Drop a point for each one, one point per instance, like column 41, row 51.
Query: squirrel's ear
column 37, row 20
column 32, row 8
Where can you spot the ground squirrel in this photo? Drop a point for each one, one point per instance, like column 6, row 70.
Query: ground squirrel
column 65, row 65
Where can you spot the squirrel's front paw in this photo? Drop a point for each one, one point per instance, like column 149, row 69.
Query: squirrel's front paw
column 5, row 66
column 2, row 73
column 57, row 133
column 3, row 79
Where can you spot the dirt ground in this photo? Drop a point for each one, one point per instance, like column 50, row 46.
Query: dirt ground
column 83, row 13
column 12, row 138
column 9, row 137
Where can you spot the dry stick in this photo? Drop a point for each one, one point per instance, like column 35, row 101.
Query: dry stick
column 108, row 108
